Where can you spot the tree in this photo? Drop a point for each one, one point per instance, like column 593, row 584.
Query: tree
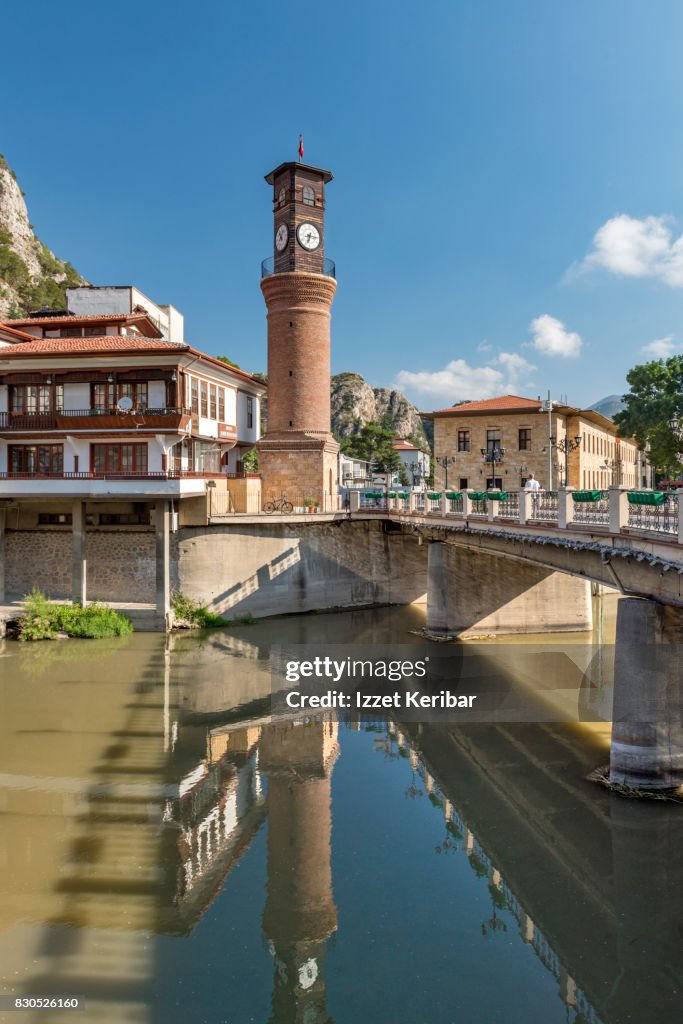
column 374, row 444
column 656, row 396
column 250, row 461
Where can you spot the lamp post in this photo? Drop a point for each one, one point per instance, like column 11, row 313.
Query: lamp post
column 614, row 467
column 445, row 461
column 415, row 469
column 566, row 445
column 547, row 407
column 493, row 455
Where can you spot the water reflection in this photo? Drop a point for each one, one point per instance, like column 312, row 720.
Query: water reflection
column 161, row 836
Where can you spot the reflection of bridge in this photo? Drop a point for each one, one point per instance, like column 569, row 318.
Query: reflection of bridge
column 591, row 882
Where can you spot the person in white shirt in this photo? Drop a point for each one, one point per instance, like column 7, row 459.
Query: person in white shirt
column 532, row 484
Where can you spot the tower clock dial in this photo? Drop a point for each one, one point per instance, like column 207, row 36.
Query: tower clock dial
column 308, row 236
column 281, row 237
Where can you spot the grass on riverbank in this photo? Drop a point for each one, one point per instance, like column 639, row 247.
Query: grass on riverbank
column 43, row 620
column 189, row 613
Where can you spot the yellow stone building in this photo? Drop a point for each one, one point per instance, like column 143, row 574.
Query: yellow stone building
column 499, row 442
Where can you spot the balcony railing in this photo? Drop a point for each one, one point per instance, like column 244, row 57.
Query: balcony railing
column 173, row 474
column 54, row 420
column 268, row 268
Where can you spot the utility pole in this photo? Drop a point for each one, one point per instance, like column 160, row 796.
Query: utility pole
column 547, row 406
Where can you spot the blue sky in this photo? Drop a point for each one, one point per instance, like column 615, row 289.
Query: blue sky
column 508, row 187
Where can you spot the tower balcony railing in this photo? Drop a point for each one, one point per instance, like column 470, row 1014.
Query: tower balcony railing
column 268, row 268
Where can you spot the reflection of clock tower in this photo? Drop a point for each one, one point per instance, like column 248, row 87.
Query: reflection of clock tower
column 298, row 454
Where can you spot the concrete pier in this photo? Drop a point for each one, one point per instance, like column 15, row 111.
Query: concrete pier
column 469, row 592
column 647, row 731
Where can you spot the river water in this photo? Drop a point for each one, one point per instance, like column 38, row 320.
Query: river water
column 167, row 854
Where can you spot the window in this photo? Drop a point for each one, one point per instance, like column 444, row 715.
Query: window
column 494, row 484
column 94, row 332
column 104, row 397
column 212, row 402
column 194, row 404
column 221, row 405
column 31, row 398
column 38, row 459
column 250, row 412
column 124, row 519
column 492, row 440
column 309, row 196
column 205, row 398
column 463, row 485
column 463, row 440
column 54, row 519
column 525, row 439
column 119, row 459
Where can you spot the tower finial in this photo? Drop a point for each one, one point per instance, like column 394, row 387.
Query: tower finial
column 301, row 146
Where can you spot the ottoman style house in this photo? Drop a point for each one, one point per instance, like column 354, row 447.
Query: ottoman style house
column 110, row 420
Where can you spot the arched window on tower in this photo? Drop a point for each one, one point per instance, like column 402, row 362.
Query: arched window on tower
column 309, row 196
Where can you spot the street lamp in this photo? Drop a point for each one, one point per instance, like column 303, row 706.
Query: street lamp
column 566, row 445
column 445, row 461
column 415, row 469
column 493, row 455
column 614, row 467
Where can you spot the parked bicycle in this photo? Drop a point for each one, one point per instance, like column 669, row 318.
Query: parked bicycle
column 278, row 505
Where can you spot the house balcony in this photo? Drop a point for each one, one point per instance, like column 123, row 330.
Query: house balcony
column 128, row 486
column 95, row 419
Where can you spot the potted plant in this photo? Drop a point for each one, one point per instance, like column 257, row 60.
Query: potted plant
column 310, row 504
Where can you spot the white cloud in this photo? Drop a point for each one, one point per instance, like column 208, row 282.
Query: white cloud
column 460, row 382
column 484, row 346
column 551, row 337
column 661, row 348
column 632, row 247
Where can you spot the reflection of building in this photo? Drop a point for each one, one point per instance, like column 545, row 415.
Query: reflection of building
column 300, row 913
column 218, row 809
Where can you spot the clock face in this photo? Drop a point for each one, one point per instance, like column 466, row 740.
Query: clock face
column 281, row 237
column 308, row 235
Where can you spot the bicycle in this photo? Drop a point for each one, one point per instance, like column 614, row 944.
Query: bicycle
column 278, row 505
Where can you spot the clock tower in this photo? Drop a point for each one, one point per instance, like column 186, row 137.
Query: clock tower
column 298, row 454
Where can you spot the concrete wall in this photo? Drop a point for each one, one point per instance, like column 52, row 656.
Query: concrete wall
column 274, row 569
column 474, row 593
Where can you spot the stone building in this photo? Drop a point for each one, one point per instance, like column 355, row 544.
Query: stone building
column 498, row 442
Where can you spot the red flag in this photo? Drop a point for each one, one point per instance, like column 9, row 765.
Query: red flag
column 301, row 147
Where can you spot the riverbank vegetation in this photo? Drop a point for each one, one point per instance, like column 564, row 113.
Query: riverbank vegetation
column 190, row 614
column 41, row 619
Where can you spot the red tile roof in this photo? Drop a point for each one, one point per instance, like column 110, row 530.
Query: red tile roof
column 114, row 343
column 21, row 335
column 75, row 318
column 503, row 403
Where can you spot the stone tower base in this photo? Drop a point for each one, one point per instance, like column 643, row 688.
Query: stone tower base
column 301, row 467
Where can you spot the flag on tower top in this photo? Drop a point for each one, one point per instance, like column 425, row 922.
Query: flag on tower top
column 301, row 147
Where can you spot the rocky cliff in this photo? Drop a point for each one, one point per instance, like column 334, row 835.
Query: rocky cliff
column 30, row 275
column 355, row 403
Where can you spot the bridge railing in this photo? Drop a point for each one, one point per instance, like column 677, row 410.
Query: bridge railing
column 616, row 510
column 659, row 514
column 590, row 507
column 544, row 507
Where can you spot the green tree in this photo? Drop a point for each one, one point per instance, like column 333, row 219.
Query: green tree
column 656, row 396
column 374, row 444
column 250, row 461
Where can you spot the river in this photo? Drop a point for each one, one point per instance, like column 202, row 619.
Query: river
column 169, row 855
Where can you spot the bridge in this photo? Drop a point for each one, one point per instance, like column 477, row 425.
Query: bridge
column 488, row 566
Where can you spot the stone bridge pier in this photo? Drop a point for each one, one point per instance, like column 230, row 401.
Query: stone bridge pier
column 472, row 593
column 647, row 719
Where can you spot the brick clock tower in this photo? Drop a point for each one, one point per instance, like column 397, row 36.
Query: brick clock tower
column 298, row 454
